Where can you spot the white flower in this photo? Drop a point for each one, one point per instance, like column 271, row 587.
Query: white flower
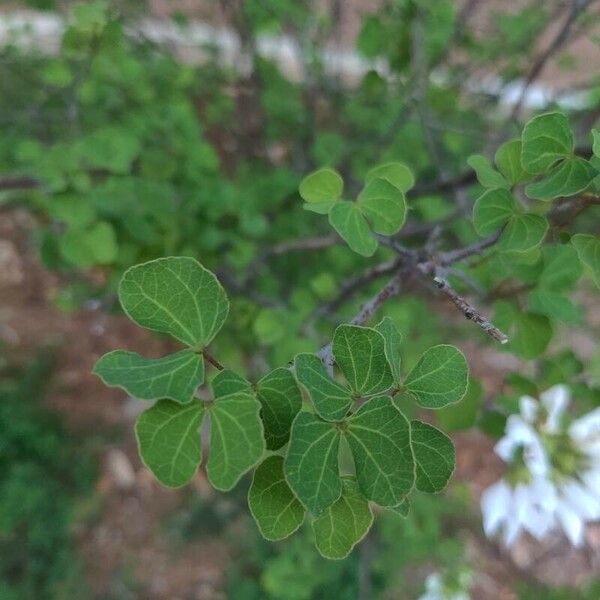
column 437, row 589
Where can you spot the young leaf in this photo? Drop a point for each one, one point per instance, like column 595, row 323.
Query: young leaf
column 227, row 382
column 344, row 523
column 435, row 457
column 175, row 295
column 168, row 436
column 546, row 139
column 324, row 185
column 360, row 354
column 392, row 340
column 492, row 210
column 236, row 438
column 486, row 174
column 379, row 438
column 523, row 233
column 439, row 378
column 330, row 399
column 347, row 219
column 508, row 161
column 311, row 464
column 570, row 177
column 588, row 249
column 277, row 512
column 281, row 400
column 384, row 206
column 175, row 376
column 397, row 173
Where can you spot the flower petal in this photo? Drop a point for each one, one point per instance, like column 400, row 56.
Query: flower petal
column 556, row 399
column 529, row 408
column 495, row 504
column 571, row 523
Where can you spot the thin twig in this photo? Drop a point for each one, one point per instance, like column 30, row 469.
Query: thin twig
column 212, row 360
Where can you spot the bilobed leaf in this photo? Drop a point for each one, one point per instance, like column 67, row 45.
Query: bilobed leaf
column 397, row 173
column 379, row 438
column 228, row 382
column 508, row 161
column 486, row 174
column 553, row 305
column 175, row 376
column 529, row 333
column 440, row 377
column 277, row 512
column 523, row 233
column 324, row 185
column 546, row 139
column 492, row 210
column 347, row 219
column 175, row 295
column 359, row 352
column 588, row 249
column 392, row 341
column 344, row 523
column 236, row 438
column 435, row 457
column 311, row 464
column 561, row 267
column 281, row 400
column 330, row 399
column 570, row 177
column 383, row 205
column 168, row 436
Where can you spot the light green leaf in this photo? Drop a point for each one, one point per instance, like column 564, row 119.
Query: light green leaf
column 435, row 457
column 281, row 400
column 277, row 512
column 320, row 208
column 94, row 245
column 344, row 523
column 553, row 305
column 392, row 340
column 347, row 219
column 546, row 139
column 397, row 173
column 523, row 233
column 379, row 438
column 529, row 333
column 439, row 378
column 330, row 399
column 384, row 205
column 311, row 464
column 570, row 177
column 323, row 185
column 486, row 174
column 236, row 438
column 561, row 267
column 492, row 210
column 227, row 382
column 168, row 436
column 588, row 249
column 508, row 161
column 402, row 509
column 175, row 376
column 175, row 295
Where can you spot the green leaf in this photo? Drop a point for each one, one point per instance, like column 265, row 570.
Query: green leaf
column 486, row 174
column 277, row 512
column 384, row 205
column 402, row 509
column 344, row 523
column 508, row 161
column 392, row 341
column 175, row 376
column 546, row 139
column 95, row 245
column 435, row 457
column 588, row 249
column 320, row 208
column 397, row 173
column 570, row 177
column 523, row 233
column 529, row 333
column 347, row 219
column 561, row 267
column 439, row 378
column 596, row 142
column 359, row 352
column 492, row 210
column 281, row 400
column 236, row 438
column 227, row 382
column 175, row 295
column 379, row 438
column 553, row 305
column 169, row 440
column 330, row 399
column 324, row 185
column 311, row 464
